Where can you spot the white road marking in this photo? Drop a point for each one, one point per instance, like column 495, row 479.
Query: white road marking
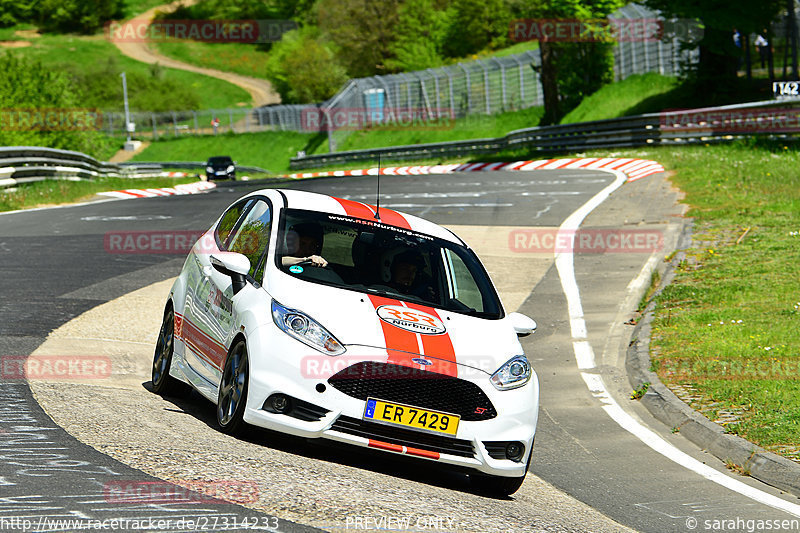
column 584, row 356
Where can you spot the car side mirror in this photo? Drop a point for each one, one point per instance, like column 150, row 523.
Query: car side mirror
column 237, row 266
column 523, row 325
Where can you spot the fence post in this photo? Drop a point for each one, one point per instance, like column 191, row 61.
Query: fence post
column 196, row 125
column 436, row 88
column 230, row 119
column 485, row 85
column 155, row 130
column 468, row 87
column 175, row 123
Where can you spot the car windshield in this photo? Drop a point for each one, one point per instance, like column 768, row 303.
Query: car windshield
column 220, row 161
column 375, row 258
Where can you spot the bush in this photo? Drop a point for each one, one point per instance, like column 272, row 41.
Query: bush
column 304, row 69
column 80, row 16
column 28, row 89
column 151, row 91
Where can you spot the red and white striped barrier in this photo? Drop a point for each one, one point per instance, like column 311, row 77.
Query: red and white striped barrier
column 633, row 168
column 185, row 188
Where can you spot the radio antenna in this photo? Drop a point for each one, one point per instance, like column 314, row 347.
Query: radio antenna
column 378, row 195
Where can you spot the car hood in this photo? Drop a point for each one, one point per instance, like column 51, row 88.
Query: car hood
column 404, row 333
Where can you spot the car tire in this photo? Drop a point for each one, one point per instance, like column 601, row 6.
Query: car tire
column 233, row 386
column 163, row 383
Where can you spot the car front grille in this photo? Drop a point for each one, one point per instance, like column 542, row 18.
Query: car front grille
column 404, row 437
column 420, row 388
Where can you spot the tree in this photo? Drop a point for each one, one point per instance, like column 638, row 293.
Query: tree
column 476, row 25
column 42, row 108
column 14, row 11
column 569, row 70
column 303, row 68
column 363, row 31
column 719, row 57
column 420, row 36
column 82, row 16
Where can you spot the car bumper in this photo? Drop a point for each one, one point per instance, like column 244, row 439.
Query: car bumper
column 291, row 374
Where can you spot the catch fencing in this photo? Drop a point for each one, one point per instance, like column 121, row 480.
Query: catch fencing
column 482, row 86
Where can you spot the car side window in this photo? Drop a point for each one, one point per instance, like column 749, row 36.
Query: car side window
column 461, row 283
column 251, row 236
column 227, row 223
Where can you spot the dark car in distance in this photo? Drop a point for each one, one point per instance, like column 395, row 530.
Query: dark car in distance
column 220, row 167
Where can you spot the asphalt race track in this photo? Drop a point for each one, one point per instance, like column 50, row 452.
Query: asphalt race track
column 585, row 464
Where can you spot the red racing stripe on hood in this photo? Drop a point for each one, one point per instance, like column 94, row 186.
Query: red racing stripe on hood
column 403, row 346
column 438, row 346
column 366, row 211
column 356, row 209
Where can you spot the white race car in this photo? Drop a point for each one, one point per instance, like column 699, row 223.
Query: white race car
column 320, row 317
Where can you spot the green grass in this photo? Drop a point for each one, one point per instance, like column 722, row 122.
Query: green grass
column 240, row 58
column 272, row 150
column 472, row 127
column 92, row 57
column 54, row 192
column 135, row 7
column 623, row 98
column 268, row 150
column 729, row 325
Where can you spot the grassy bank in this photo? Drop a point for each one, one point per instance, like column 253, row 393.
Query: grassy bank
column 726, row 335
column 268, row 150
column 52, row 192
column 640, row 93
column 95, row 64
column 239, row 58
column 472, row 127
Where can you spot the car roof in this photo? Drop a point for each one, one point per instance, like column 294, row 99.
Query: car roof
column 329, row 204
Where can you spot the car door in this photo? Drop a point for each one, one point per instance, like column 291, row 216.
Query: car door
column 250, row 238
column 203, row 323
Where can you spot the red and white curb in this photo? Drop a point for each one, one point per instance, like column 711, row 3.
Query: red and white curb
column 633, row 168
column 185, row 188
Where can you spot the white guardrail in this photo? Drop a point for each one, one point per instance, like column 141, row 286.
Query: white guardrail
column 774, row 119
column 26, row 164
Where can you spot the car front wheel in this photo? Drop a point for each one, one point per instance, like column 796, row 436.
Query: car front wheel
column 163, row 383
column 233, row 391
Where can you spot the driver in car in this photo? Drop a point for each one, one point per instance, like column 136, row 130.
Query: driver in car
column 404, row 270
column 304, row 245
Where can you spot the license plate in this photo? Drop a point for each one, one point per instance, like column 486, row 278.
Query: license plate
column 398, row 414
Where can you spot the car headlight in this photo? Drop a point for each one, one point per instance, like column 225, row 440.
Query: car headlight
column 515, row 373
column 209, row 169
column 305, row 329
column 230, row 168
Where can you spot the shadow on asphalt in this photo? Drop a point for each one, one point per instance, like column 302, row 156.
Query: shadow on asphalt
column 194, row 404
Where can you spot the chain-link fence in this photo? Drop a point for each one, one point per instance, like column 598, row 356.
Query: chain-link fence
column 482, row 86
column 665, row 55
